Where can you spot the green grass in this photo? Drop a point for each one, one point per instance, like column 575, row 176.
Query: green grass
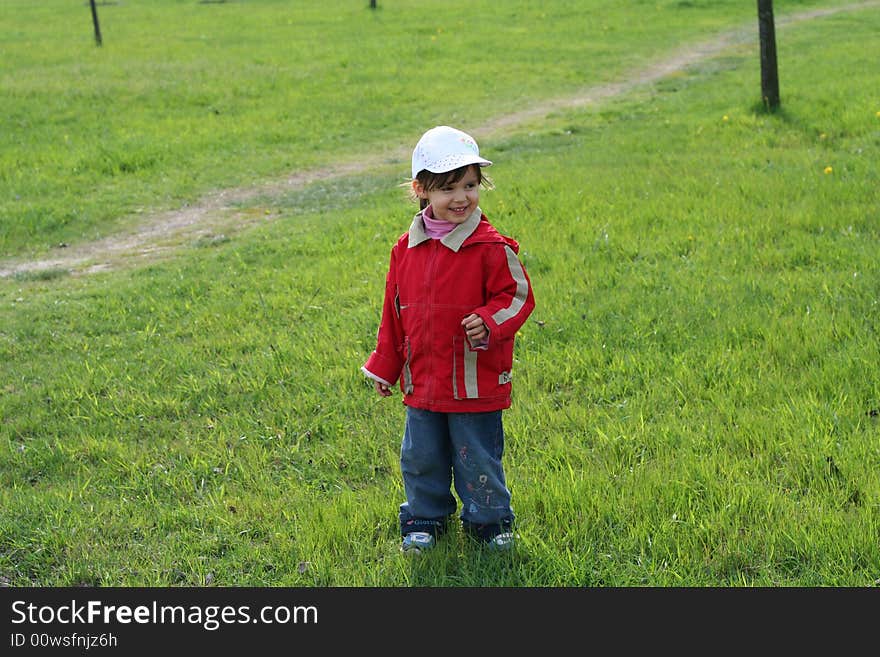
column 185, row 97
column 696, row 397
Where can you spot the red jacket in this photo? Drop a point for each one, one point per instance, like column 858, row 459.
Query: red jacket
column 431, row 286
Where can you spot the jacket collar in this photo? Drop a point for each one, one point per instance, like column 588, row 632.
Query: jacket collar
column 454, row 239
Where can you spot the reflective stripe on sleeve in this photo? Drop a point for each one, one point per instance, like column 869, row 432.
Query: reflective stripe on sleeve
column 522, row 288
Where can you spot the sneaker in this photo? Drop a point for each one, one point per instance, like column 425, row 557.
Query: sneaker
column 502, row 541
column 417, row 542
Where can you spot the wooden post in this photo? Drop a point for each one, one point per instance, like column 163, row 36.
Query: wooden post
column 769, row 72
column 95, row 22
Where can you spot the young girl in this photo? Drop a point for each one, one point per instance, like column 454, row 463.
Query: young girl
column 455, row 296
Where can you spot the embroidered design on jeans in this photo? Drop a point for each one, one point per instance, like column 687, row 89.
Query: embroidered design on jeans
column 463, row 457
column 480, row 494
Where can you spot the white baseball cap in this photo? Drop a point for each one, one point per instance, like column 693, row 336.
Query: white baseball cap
column 443, row 149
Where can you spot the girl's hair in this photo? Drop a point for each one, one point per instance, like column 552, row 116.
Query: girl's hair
column 429, row 180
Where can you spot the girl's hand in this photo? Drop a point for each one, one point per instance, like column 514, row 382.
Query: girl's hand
column 475, row 329
column 382, row 389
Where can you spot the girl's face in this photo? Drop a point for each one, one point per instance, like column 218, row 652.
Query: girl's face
column 453, row 201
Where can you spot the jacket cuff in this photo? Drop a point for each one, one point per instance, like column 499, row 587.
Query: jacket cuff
column 381, row 368
column 370, row 375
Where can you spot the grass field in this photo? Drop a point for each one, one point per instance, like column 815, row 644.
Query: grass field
column 696, row 397
column 185, row 97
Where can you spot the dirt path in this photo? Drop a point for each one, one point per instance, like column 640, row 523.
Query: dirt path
column 218, row 213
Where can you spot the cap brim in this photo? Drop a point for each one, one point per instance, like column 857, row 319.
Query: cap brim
column 451, row 164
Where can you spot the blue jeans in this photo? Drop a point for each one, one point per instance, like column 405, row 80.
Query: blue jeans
column 440, row 449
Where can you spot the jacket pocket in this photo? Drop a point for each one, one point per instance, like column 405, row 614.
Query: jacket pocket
column 406, row 375
column 464, row 369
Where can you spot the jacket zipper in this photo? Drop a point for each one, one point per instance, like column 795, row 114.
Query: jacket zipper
column 432, row 291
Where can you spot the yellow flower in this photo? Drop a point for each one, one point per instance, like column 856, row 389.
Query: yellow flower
column 822, row 136
column 828, row 170
column 725, row 118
